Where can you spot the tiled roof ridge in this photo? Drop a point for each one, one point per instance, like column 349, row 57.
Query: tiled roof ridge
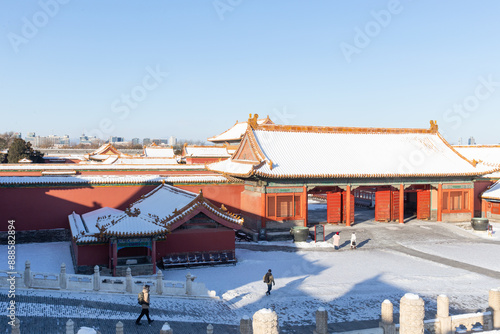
column 341, row 129
column 477, row 146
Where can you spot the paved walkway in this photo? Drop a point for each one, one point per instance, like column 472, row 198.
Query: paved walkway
column 370, row 235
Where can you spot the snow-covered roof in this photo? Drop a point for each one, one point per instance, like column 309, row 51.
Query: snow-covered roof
column 109, row 179
column 205, row 151
column 159, row 152
column 237, row 131
column 92, row 166
column 492, row 192
column 488, row 154
column 284, row 151
column 156, row 213
column 147, row 161
column 105, row 152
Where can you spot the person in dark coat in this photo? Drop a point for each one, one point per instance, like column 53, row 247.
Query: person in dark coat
column 269, row 280
column 145, row 306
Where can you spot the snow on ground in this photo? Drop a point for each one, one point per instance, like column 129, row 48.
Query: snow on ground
column 44, row 257
column 349, row 284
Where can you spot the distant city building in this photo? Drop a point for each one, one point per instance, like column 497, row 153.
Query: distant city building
column 146, row 141
column 472, row 141
column 17, row 135
column 460, row 141
column 160, row 141
column 116, row 139
column 31, row 137
column 172, row 141
column 87, row 140
column 136, row 141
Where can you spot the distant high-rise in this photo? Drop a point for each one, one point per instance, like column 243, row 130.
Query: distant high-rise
column 146, row 141
column 136, row 141
column 87, row 140
column 172, row 141
column 472, row 141
column 460, row 141
column 116, row 139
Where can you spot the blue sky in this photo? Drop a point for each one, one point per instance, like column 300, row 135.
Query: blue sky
column 192, row 68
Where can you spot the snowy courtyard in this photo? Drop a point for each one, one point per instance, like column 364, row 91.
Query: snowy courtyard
column 350, row 284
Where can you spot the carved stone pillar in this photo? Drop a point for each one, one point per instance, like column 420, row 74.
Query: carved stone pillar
column 411, row 318
column 265, row 321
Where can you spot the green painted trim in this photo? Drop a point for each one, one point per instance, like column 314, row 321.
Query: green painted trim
column 458, row 186
column 284, row 190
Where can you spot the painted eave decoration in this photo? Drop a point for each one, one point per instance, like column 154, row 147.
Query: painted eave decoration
column 289, row 151
column 155, row 214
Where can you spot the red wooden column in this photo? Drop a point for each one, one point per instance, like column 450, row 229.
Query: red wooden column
column 263, row 210
column 110, row 253
column 304, row 206
column 440, row 203
column 472, row 203
column 401, row 203
column 153, row 256
column 115, row 257
column 348, row 206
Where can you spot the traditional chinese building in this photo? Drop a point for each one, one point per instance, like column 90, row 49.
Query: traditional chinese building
column 167, row 221
column 404, row 168
column 197, row 154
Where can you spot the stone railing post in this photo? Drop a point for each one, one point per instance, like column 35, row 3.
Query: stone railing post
column 321, row 321
column 62, row 277
column 159, row 282
column 16, row 329
column 189, row 284
column 97, row 279
column 387, row 317
column 165, row 329
column 245, row 325
column 210, row 329
column 27, row 274
column 265, row 321
column 494, row 304
column 443, row 315
column 119, row 327
column 70, row 327
column 128, row 280
column 411, row 314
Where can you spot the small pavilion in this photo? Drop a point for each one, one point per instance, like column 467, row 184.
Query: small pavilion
column 166, row 221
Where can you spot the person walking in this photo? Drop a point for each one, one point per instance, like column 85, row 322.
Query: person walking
column 269, row 280
column 353, row 240
column 336, row 240
column 144, row 300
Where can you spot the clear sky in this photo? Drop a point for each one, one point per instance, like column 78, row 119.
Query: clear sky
column 192, row 68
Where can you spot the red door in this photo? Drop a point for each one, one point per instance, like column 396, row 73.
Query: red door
column 395, row 205
column 344, row 210
column 383, row 205
column 424, row 204
column 333, row 207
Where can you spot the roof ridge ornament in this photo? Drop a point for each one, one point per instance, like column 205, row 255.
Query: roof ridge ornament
column 252, row 121
column 434, row 126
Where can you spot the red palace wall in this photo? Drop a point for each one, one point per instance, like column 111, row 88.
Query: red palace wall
column 40, row 208
column 91, row 255
column 479, row 188
column 202, row 240
column 48, row 208
column 251, row 208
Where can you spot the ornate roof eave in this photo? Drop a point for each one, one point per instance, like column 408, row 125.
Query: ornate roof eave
column 361, row 175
